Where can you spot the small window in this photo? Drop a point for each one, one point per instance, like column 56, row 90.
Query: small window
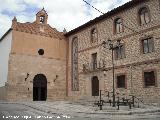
column 41, row 52
column 144, row 16
column 84, row 67
column 149, row 78
column 41, row 19
column 93, row 35
column 94, row 61
column 121, row 82
column 148, row 45
column 118, row 25
column 119, row 52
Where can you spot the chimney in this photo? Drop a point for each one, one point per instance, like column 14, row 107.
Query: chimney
column 14, row 22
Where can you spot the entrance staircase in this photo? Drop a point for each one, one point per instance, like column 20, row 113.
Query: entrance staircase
column 104, row 101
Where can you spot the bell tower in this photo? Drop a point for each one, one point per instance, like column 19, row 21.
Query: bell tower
column 42, row 17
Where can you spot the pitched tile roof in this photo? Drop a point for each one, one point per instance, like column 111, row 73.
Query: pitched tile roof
column 8, row 31
column 35, row 28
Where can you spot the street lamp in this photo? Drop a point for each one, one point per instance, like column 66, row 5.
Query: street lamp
column 112, row 47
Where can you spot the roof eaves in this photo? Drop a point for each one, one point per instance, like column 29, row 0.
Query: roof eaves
column 8, row 31
column 106, row 15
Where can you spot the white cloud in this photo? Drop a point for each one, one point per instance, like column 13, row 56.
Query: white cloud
column 62, row 13
column 12, row 5
column 105, row 6
column 5, row 22
column 66, row 13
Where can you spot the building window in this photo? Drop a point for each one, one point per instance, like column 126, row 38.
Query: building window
column 144, row 16
column 119, row 52
column 94, row 61
column 148, row 45
column 93, row 35
column 41, row 19
column 84, row 68
column 41, row 52
column 75, row 81
column 149, row 78
column 121, row 82
column 118, row 25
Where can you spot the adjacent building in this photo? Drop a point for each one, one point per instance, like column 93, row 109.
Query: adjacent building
column 137, row 61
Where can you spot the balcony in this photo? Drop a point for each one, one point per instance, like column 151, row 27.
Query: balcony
column 93, row 66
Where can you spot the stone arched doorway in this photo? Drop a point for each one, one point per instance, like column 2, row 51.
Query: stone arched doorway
column 39, row 88
column 95, row 86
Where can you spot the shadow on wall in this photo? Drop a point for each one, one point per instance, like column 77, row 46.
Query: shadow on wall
column 3, row 93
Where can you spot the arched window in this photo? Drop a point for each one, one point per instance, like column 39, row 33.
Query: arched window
column 93, row 35
column 75, row 81
column 118, row 25
column 144, row 16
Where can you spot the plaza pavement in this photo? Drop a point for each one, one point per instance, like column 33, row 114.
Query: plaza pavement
column 75, row 110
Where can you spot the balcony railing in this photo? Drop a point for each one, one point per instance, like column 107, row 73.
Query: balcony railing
column 93, row 66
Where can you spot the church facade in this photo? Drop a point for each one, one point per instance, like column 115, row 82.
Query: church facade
column 37, row 61
column 44, row 64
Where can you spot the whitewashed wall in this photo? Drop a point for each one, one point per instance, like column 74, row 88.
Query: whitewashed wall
column 5, row 48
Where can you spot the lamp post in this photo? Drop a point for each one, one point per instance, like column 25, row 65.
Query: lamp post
column 112, row 47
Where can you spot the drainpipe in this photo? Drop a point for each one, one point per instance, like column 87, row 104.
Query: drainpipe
column 131, row 77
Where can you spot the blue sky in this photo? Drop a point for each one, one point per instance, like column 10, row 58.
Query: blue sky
column 62, row 14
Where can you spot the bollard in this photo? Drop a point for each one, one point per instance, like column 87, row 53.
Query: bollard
column 118, row 104
column 110, row 102
column 133, row 100
column 100, row 107
column 108, row 95
column 129, row 105
column 138, row 104
column 100, row 100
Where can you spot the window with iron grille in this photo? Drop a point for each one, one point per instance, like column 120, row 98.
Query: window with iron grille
column 118, row 25
column 148, row 45
column 119, row 52
column 94, row 61
column 75, row 80
column 121, row 82
column 149, row 78
column 144, row 16
column 93, row 35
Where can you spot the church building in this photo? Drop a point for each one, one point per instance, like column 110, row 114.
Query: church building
column 43, row 64
column 37, row 61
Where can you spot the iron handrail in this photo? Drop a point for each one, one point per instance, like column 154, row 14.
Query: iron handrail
column 138, row 99
column 126, row 100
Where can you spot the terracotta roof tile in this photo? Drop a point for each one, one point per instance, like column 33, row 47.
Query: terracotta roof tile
column 34, row 28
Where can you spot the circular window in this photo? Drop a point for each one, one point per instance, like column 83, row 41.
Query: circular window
column 40, row 51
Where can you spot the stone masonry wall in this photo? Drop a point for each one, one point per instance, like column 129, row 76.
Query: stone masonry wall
column 24, row 59
column 134, row 62
column 21, row 90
